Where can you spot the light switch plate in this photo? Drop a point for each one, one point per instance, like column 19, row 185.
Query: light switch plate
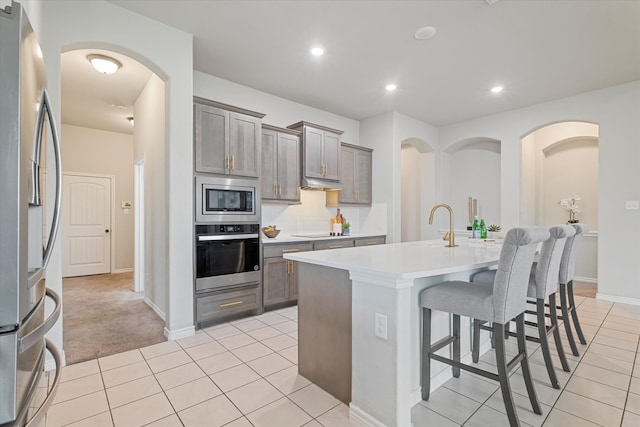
column 632, row 205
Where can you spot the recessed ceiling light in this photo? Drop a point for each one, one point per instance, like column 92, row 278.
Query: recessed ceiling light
column 317, row 51
column 425, row 33
column 104, row 64
column 497, row 89
column 391, row 87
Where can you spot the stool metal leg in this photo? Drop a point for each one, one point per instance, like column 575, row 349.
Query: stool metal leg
column 574, row 313
column 503, row 375
column 553, row 316
column 456, row 344
column 524, row 364
column 544, row 344
column 475, row 351
column 565, row 319
column 426, row 350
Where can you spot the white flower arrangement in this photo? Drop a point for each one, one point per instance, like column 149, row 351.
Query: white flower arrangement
column 571, row 205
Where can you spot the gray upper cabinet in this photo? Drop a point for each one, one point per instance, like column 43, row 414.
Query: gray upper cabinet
column 356, row 175
column 280, row 164
column 320, row 151
column 227, row 139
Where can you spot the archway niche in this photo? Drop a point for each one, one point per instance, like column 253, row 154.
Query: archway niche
column 417, row 188
column 560, row 161
column 474, row 171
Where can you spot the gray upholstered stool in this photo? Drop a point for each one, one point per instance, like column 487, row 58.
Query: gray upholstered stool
column 567, row 302
column 543, row 283
column 505, row 300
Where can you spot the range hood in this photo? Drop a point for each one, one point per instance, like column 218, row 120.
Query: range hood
column 319, row 184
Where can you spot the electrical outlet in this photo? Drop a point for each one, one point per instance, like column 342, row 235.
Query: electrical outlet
column 632, row 205
column 381, row 326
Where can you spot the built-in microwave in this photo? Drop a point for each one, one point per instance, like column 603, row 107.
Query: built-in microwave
column 227, row 200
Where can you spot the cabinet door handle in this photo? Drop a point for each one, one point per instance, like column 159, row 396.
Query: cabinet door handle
column 233, row 162
column 335, row 246
column 292, row 267
column 229, row 304
column 285, row 251
column 372, row 243
column 226, row 162
column 275, row 189
column 279, row 190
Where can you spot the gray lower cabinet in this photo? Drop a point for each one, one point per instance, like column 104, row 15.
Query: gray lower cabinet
column 227, row 139
column 355, row 175
column 333, row 244
column 279, row 276
column 280, row 164
column 369, row 241
column 214, row 306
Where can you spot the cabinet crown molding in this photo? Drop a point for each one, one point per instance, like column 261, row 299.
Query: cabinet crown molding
column 302, row 123
column 227, row 107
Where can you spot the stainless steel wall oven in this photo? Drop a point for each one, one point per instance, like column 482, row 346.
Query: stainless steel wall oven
column 227, row 255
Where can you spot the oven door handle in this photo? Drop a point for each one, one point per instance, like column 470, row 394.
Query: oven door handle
column 227, row 237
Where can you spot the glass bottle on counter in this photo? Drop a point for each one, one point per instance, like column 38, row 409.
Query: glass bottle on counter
column 483, row 229
column 475, row 229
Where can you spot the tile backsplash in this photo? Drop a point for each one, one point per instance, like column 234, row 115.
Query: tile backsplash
column 312, row 216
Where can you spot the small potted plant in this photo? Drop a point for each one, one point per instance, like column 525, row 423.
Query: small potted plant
column 346, row 229
column 571, row 205
column 493, row 231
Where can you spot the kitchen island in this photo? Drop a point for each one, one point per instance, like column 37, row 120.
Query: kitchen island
column 347, row 295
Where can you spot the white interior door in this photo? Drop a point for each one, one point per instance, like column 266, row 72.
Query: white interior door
column 86, row 225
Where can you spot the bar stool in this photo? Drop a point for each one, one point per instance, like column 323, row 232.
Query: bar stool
column 567, row 302
column 498, row 304
column 543, row 282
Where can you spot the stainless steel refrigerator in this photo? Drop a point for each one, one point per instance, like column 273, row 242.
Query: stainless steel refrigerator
column 29, row 155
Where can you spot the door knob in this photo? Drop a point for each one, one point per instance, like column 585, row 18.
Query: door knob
column 106, row 231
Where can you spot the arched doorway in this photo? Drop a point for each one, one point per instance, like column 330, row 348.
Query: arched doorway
column 417, row 188
column 109, row 124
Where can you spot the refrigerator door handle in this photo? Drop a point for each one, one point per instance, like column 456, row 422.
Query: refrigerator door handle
column 39, row 332
column 45, row 108
column 40, row 413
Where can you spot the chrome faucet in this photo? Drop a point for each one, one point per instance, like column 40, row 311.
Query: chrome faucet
column 451, row 238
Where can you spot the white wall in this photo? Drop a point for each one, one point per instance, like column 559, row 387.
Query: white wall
column 64, row 25
column 474, row 172
column 615, row 111
column 149, row 136
column 96, row 151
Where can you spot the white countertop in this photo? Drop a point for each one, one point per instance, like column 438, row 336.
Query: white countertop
column 407, row 260
column 298, row 237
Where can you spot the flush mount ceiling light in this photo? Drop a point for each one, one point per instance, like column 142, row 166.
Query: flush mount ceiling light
column 104, row 64
column 130, row 118
column 391, row 87
column 497, row 89
column 425, row 33
column 317, row 51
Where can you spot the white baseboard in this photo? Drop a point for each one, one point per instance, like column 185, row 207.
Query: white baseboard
column 155, row 308
column 362, row 418
column 179, row 333
column 585, row 279
column 615, row 298
column 123, row 270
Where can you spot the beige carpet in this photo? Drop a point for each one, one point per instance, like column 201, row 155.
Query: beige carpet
column 103, row 316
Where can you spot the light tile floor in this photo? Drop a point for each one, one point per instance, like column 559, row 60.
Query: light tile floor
column 244, row 373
